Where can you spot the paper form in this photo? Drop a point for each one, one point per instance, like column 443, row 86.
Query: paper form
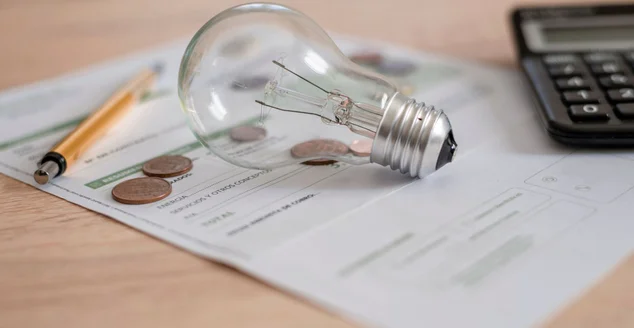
column 502, row 237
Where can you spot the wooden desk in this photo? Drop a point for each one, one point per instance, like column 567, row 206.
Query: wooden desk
column 64, row 266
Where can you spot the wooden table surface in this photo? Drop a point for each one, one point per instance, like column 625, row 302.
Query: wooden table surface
column 64, row 266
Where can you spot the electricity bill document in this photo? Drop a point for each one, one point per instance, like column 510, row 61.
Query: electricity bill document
column 505, row 236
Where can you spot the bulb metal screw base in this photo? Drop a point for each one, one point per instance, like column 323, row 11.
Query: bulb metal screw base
column 413, row 138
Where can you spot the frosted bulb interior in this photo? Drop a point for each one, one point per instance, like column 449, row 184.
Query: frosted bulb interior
column 271, row 67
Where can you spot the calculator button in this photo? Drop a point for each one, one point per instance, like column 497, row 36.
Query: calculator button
column 560, row 59
column 621, row 95
column 564, row 70
column 599, row 57
column 615, row 81
column 607, row 68
column 589, row 112
column 572, row 83
column 580, row 97
column 625, row 110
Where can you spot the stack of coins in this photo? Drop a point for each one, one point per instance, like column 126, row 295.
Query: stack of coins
column 329, row 148
column 361, row 148
column 152, row 188
column 319, row 147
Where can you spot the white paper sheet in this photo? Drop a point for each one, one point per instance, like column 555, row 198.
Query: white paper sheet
column 512, row 230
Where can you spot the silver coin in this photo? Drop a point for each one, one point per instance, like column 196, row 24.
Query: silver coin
column 250, row 83
column 247, row 133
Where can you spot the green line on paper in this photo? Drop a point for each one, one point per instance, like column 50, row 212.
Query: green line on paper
column 494, row 260
column 42, row 133
column 128, row 171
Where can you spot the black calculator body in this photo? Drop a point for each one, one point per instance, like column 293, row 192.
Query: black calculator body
column 579, row 61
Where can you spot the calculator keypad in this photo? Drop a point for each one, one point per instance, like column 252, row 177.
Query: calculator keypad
column 625, row 110
column 615, row 81
column 621, row 95
column 563, row 70
column 560, row 59
column 572, row 83
column 594, row 86
column 594, row 112
column 581, row 97
column 600, row 57
column 607, row 68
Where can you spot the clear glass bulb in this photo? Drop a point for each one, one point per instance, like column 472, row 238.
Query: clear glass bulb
column 270, row 67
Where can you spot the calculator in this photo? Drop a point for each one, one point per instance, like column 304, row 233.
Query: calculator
column 579, row 62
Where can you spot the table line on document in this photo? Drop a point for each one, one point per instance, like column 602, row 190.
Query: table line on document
column 172, row 196
column 109, row 189
column 261, row 186
column 279, row 199
column 149, row 137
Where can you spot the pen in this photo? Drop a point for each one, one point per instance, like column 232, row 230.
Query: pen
column 66, row 152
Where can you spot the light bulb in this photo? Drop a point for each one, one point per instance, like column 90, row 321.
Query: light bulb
column 274, row 73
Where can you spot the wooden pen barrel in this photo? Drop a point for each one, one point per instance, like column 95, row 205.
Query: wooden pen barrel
column 102, row 120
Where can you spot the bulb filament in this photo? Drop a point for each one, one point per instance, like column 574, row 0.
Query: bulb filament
column 343, row 105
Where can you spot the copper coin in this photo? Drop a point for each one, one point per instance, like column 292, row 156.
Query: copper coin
column 361, row 148
column 247, row 133
column 167, row 166
column 319, row 147
column 319, row 162
column 367, row 58
column 141, row 191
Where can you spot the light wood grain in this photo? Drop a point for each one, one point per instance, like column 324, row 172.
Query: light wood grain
column 608, row 304
column 64, row 266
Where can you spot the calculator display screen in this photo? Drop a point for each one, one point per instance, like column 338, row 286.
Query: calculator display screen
column 567, row 34
column 591, row 33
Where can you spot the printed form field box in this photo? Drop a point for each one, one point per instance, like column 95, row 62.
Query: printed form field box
column 436, row 255
column 587, row 176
